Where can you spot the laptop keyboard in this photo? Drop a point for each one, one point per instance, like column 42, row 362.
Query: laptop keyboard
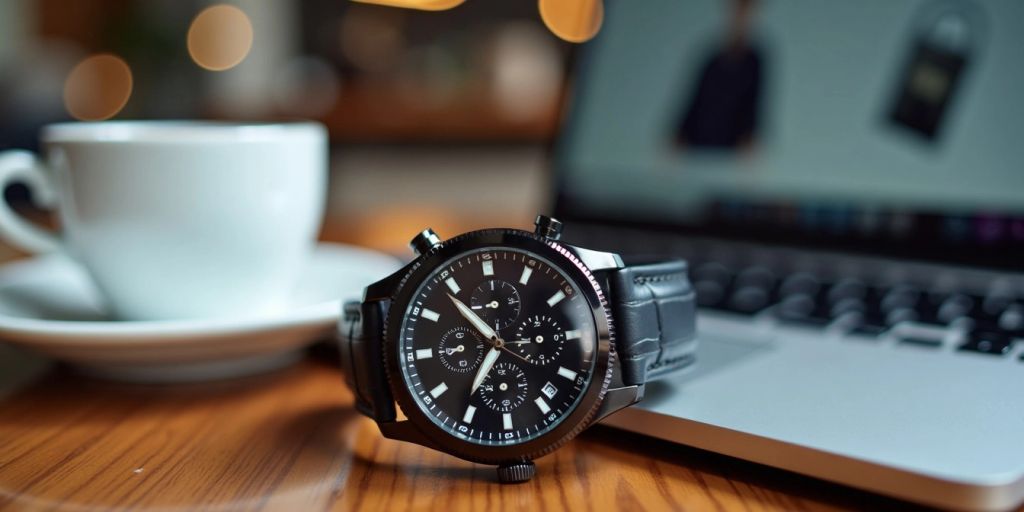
column 814, row 292
column 989, row 323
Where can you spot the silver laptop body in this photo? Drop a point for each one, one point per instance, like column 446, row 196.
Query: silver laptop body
column 857, row 246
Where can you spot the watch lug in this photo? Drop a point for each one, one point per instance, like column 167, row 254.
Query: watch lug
column 405, row 431
column 596, row 260
column 616, row 399
column 386, row 287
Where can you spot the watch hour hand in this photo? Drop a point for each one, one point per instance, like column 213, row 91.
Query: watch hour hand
column 485, row 367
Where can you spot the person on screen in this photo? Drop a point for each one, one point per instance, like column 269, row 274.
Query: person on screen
column 723, row 110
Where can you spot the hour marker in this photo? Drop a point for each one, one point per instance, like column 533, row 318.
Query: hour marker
column 544, row 409
column 506, row 421
column 468, row 417
column 424, row 353
column 573, row 334
column 556, row 298
column 488, row 266
column 441, row 388
column 430, row 315
column 525, row 278
column 567, row 373
column 452, row 285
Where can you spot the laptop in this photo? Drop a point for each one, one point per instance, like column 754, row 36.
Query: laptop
column 846, row 180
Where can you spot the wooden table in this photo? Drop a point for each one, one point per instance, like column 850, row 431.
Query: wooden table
column 292, row 441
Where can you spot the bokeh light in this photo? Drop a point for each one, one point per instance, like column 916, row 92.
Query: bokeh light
column 423, row 5
column 98, row 87
column 220, row 37
column 575, row 21
column 526, row 73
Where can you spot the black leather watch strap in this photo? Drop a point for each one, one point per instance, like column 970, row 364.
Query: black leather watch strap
column 360, row 342
column 653, row 307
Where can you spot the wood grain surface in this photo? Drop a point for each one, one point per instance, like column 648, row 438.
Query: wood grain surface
column 292, row 441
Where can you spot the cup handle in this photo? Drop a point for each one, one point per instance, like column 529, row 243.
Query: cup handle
column 17, row 166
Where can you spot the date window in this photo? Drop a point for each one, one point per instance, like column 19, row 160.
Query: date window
column 549, row 390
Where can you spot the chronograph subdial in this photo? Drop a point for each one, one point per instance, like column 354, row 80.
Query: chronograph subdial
column 461, row 350
column 496, row 302
column 539, row 339
column 505, row 388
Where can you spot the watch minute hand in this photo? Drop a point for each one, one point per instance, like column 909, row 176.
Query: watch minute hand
column 479, row 324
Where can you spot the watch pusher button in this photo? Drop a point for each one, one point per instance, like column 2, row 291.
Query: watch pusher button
column 548, row 227
column 516, row 473
column 424, row 241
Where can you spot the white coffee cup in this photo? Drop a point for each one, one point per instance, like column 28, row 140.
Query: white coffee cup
column 177, row 219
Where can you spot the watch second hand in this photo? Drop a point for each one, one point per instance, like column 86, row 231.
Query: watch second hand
column 510, row 352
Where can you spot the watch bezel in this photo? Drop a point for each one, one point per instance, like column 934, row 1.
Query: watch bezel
column 578, row 419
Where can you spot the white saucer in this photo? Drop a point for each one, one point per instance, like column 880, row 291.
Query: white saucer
column 48, row 305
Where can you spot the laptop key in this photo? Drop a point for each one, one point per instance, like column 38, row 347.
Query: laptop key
column 900, row 315
column 847, row 305
column 954, row 307
column 993, row 305
column 801, row 309
column 899, row 297
column 796, row 306
column 1012, row 318
column 845, row 289
column 799, row 283
column 988, row 342
column 712, row 271
column 870, row 330
column 921, row 341
column 756, row 276
column 942, row 310
column 709, row 293
column 810, row 321
column 749, row 300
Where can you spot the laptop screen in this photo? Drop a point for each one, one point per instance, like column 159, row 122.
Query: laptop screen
column 886, row 126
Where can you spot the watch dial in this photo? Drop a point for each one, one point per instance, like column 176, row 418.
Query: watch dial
column 497, row 346
column 496, row 302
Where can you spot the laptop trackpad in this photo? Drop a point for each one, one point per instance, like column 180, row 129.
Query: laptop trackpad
column 713, row 356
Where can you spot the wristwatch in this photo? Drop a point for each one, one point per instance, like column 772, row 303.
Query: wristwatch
column 498, row 346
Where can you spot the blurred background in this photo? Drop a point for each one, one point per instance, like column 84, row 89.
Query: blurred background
column 718, row 115
column 427, row 110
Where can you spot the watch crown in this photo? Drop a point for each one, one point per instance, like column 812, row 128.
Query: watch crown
column 548, row 227
column 516, row 473
column 424, row 241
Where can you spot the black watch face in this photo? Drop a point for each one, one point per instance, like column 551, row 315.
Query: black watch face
column 498, row 345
